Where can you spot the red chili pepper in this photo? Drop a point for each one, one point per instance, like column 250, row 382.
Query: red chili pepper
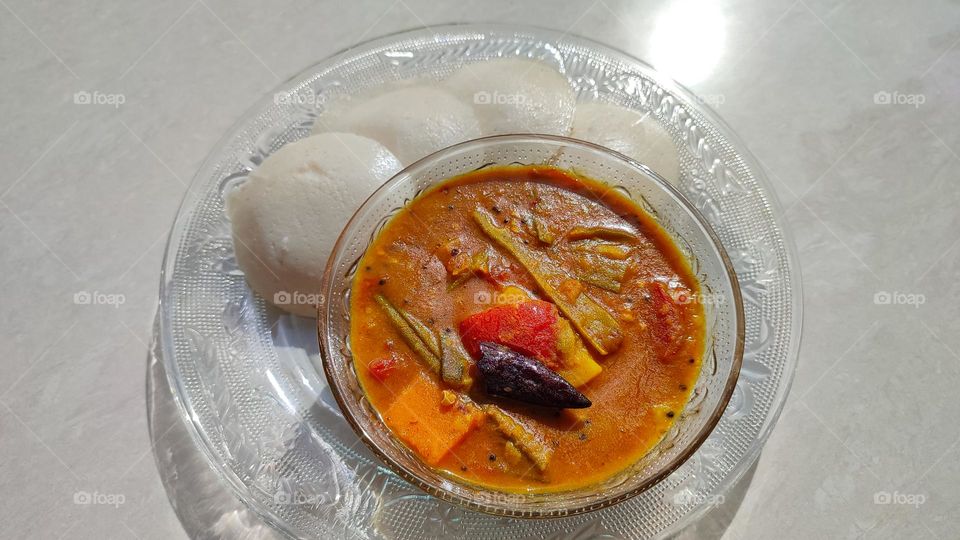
column 527, row 327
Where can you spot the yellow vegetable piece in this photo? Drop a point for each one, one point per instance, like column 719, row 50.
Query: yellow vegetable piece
column 449, row 399
column 578, row 364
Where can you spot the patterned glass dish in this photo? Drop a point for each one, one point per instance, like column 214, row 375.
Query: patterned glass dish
column 244, row 374
column 723, row 313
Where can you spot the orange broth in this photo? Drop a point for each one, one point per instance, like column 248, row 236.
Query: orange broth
column 643, row 386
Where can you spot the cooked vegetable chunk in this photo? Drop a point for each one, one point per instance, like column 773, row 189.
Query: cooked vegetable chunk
column 411, row 335
column 602, row 272
column 604, row 233
column 575, row 363
column 599, row 328
column 423, row 422
column 509, row 374
column 454, row 362
column 528, row 327
column 521, row 436
column 578, row 365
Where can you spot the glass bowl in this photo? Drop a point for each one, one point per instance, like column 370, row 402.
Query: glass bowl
column 720, row 296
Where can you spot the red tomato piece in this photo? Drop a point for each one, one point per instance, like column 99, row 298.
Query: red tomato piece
column 668, row 324
column 381, row 369
column 526, row 327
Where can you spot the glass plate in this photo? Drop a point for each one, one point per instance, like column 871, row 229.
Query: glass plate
column 244, row 373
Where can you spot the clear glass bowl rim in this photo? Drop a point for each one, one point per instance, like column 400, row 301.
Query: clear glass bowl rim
column 328, row 356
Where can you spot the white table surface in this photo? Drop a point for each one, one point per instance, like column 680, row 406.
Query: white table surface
column 871, row 191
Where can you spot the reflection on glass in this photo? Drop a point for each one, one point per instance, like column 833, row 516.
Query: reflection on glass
column 688, row 40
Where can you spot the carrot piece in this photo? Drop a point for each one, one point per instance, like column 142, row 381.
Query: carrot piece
column 419, row 419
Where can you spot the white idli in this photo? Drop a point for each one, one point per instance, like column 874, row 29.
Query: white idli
column 631, row 133
column 286, row 216
column 513, row 95
column 412, row 122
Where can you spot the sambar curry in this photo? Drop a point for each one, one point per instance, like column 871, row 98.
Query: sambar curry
column 526, row 329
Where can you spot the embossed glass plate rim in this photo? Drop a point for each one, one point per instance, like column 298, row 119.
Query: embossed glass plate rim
column 192, row 195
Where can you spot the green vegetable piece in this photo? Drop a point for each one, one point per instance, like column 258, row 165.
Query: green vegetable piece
column 454, row 362
column 603, row 272
column 598, row 279
column 524, row 439
column 426, row 335
column 596, row 325
column 604, row 233
column 609, row 250
column 409, row 333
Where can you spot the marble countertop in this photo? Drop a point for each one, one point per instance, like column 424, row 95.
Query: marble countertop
column 109, row 108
